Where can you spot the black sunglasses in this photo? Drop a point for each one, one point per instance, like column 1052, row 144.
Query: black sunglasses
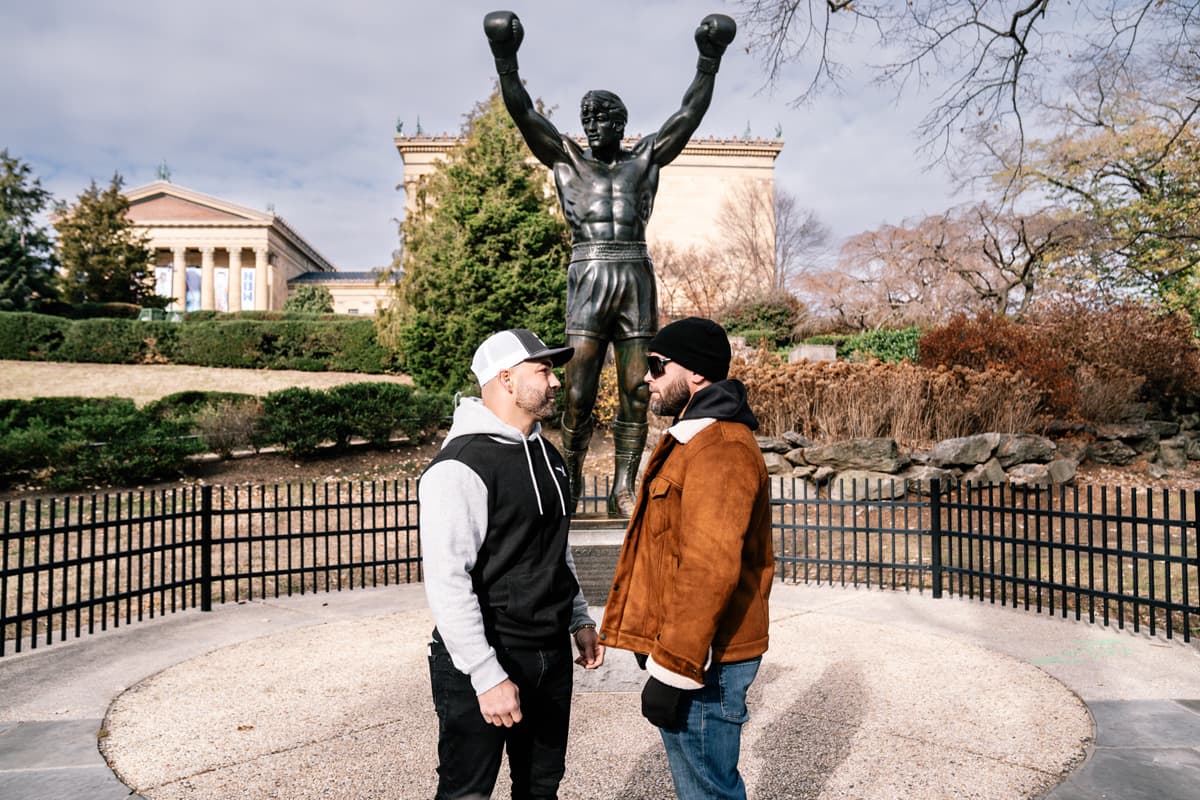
column 657, row 365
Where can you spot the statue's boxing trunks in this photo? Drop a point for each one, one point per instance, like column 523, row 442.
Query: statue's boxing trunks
column 611, row 293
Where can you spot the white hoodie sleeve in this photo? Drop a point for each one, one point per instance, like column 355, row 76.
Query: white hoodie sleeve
column 453, row 526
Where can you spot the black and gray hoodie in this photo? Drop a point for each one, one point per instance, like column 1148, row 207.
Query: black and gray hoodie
column 494, row 522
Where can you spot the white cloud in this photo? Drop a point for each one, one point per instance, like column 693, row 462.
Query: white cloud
column 295, row 103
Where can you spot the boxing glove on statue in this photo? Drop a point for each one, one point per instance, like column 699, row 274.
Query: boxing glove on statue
column 715, row 33
column 504, row 33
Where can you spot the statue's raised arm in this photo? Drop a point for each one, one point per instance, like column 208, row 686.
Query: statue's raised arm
column 505, row 34
column 715, row 33
column 606, row 193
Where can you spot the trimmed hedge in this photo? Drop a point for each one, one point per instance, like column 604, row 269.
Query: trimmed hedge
column 890, row 345
column 266, row 316
column 186, row 404
column 103, row 341
column 78, row 441
column 301, row 420
column 92, row 310
column 375, row 411
column 31, row 337
column 307, row 342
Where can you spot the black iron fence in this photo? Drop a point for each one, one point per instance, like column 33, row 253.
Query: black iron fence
column 1108, row 554
column 79, row 564
column 89, row 563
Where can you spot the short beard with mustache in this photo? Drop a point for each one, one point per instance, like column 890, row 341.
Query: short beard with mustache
column 672, row 400
column 540, row 406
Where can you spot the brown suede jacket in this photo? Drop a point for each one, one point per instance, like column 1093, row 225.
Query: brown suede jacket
column 695, row 570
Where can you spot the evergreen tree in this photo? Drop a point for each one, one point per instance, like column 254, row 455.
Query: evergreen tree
column 26, row 252
column 485, row 250
column 310, row 300
column 104, row 258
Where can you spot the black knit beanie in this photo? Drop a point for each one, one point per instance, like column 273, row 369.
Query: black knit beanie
column 698, row 344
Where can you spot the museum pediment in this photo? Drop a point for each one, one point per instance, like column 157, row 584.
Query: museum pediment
column 161, row 202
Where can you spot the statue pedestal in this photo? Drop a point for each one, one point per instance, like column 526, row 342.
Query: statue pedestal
column 595, row 544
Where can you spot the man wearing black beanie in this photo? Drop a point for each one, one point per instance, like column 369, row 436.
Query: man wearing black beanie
column 690, row 592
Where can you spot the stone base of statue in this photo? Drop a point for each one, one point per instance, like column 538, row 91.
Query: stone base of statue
column 595, row 544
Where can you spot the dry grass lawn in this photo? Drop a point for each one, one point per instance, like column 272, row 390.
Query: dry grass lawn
column 144, row 383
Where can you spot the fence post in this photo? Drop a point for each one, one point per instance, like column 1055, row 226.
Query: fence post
column 935, row 534
column 206, row 548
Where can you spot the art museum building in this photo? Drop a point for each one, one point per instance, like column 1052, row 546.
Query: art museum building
column 213, row 254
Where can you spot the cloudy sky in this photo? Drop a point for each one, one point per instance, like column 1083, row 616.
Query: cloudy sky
column 294, row 104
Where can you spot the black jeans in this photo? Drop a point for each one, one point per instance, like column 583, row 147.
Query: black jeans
column 469, row 748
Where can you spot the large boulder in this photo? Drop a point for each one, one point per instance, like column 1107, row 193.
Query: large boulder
column 777, row 464
column 1024, row 448
column 1061, row 427
column 1193, row 447
column 1173, row 453
column 989, row 473
column 1111, row 451
column 772, row 444
column 1163, row 428
column 919, row 479
column 865, row 485
column 1062, row 470
column 796, row 457
column 796, row 440
column 1138, row 435
column 1074, row 449
column 964, row 451
column 1029, row 476
column 874, row 455
column 823, row 475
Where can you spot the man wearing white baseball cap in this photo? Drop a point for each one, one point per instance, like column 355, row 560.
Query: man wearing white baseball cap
column 500, row 579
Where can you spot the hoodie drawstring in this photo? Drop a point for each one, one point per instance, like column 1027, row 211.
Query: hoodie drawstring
column 532, row 477
column 561, row 501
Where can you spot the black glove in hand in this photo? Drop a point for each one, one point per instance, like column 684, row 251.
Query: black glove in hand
column 641, row 659
column 661, row 704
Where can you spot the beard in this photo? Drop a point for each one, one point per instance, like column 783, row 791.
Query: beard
column 672, row 400
column 539, row 405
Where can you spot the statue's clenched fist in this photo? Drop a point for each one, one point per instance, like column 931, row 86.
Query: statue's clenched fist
column 715, row 33
column 504, row 33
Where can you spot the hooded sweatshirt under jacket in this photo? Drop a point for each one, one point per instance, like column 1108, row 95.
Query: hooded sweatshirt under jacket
column 494, row 528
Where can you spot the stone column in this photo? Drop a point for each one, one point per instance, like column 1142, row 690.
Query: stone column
column 207, row 279
column 235, row 278
column 179, row 277
column 260, row 279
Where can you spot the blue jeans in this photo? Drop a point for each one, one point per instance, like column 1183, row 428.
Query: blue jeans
column 703, row 754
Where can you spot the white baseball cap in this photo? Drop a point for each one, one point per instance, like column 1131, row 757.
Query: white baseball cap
column 506, row 349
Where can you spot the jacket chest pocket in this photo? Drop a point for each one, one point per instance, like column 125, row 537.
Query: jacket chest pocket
column 662, row 510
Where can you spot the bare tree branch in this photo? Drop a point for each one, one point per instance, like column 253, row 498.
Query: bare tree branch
column 996, row 60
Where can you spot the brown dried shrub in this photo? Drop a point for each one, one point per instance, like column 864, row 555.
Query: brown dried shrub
column 1106, row 395
column 843, row 400
column 1088, row 361
column 1124, row 343
column 991, row 342
column 229, row 424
